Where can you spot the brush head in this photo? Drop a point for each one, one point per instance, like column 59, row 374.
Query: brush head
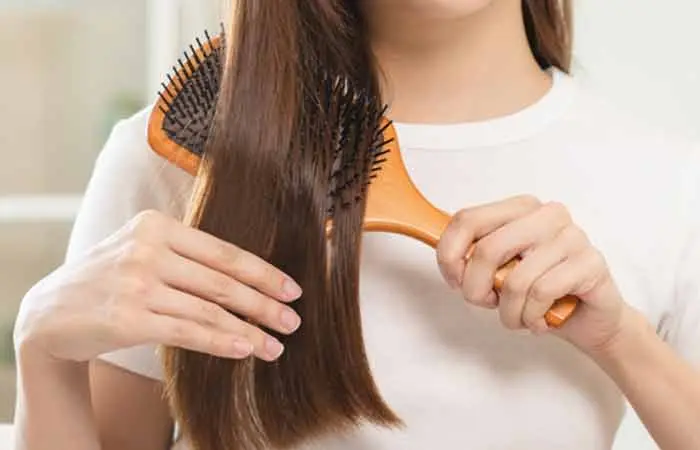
column 188, row 100
column 183, row 116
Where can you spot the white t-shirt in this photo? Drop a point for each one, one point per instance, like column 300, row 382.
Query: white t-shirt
column 450, row 370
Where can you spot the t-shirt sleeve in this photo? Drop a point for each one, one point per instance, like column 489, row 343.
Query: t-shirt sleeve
column 128, row 177
column 681, row 328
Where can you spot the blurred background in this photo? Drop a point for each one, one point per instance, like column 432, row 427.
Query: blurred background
column 72, row 68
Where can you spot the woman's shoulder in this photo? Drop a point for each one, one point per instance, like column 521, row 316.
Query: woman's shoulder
column 128, row 177
column 639, row 147
column 593, row 107
column 127, row 148
column 147, row 179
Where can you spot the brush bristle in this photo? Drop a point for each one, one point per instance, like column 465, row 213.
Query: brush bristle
column 191, row 94
column 189, row 102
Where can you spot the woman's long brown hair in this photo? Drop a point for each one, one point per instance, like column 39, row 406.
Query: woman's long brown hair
column 264, row 186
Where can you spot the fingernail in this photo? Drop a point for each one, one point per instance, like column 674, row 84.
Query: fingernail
column 243, row 348
column 292, row 291
column 273, row 348
column 290, row 321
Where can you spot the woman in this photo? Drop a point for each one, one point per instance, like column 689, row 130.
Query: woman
column 492, row 128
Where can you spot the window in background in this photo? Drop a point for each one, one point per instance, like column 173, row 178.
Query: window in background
column 71, row 70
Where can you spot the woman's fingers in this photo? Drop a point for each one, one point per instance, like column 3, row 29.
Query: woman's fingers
column 538, row 261
column 576, row 275
column 189, row 335
column 228, row 259
column 203, row 279
column 215, row 319
column 470, row 225
column 227, row 292
column 507, row 242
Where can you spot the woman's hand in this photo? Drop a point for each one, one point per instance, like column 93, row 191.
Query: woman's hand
column 557, row 259
column 157, row 281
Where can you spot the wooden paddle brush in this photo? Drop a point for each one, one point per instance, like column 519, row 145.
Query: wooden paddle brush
column 179, row 127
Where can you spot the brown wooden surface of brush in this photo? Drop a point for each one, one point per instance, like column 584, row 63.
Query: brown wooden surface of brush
column 395, row 205
column 157, row 138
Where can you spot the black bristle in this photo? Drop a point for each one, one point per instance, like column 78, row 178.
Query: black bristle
column 167, row 101
column 190, row 97
column 188, row 63
column 351, row 111
column 380, row 152
column 196, row 55
column 181, row 75
column 201, row 47
column 175, row 85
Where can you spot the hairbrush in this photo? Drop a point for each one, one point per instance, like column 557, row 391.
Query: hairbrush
column 179, row 127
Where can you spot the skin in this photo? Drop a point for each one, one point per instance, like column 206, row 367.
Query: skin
column 136, row 287
column 154, row 281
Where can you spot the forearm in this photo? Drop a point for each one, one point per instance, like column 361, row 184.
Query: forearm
column 663, row 389
column 54, row 411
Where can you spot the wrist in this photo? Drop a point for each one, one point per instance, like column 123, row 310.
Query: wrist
column 629, row 343
column 31, row 359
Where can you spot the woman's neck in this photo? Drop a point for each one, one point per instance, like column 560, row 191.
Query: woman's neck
column 446, row 70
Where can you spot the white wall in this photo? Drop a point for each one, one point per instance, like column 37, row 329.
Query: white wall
column 173, row 26
column 645, row 54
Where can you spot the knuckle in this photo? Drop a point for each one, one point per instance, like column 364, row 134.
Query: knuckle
column 252, row 334
column 447, row 265
column 235, row 258
column 147, row 225
column 515, row 285
column 225, row 254
column 559, row 210
column 261, row 310
column 222, row 289
column 136, row 256
column 540, row 292
column 256, row 336
column 598, row 270
column 575, row 234
column 597, row 259
column 214, row 343
column 441, row 256
column 211, row 313
column 463, row 217
column 528, row 201
column 136, row 287
column 270, row 274
column 242, row 265
column 178, row 333
column 488, row 250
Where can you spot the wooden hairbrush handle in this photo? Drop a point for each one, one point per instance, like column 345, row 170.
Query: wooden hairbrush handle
column 428, row 230
column 395, row 205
